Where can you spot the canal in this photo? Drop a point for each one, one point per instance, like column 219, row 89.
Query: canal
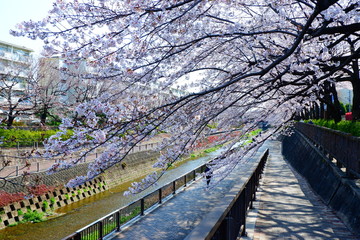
column 77, row 215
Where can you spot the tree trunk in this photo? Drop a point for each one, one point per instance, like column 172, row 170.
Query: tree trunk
column 43, row 116
column 356, row 91
column 10, row 121
column 333, row 110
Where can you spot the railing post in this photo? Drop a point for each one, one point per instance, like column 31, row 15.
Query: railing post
column 38, row 167
column 77, row 236
column 17, row 170
column 101, row 230
column 252, row 192
column 194, row 175
column 243, row 212
column 160, row 195
column 174, row 187
column 142, row 206
column 117, row 216
column 185, row 181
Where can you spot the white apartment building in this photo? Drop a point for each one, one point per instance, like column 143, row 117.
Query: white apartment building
column 15, row 62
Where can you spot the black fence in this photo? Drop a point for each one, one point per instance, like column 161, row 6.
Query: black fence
column 114, row 221
column 343, row 147
column 232, row 221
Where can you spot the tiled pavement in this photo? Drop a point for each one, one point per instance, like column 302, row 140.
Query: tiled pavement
column 288, row 209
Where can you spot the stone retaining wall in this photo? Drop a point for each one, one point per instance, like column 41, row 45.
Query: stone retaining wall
column 133, row 166
column 137, row 165
column 14, row 212
column 337, row 191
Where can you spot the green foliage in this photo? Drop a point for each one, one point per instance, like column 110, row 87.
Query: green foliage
column 13, row 137
column 53, row 120
column 212, row 126
column 20, row 212
column 253, row 133
column 212, row 149
column 67, row 196
column 52, row 201
column 344, row 126
column 110, row 226
column 131, row 215
column 33, row 216
column 45, row 205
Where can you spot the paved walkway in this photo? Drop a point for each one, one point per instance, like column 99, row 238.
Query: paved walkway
column 176, row 218
column 288, row 209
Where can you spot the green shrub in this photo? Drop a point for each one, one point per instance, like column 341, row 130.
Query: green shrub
column 344, row 126
column 212, row 149
column 13, row 137
column 20, row 212
column 45, row 205
column 33, row 216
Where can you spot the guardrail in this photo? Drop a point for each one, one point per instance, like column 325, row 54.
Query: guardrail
column 116, row 220
column 343, row 147
column 228, row 221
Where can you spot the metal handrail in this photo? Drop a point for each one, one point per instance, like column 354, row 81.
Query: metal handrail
column 100, row 228
column 222, row 228
column 228, row 221
column 341, row 146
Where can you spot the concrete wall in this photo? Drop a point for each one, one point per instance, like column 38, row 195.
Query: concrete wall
column 137, row 165
column 337, row 191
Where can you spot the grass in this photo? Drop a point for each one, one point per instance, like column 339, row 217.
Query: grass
column 110, row 226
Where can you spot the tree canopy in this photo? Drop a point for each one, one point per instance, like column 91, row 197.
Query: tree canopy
column 185, row 64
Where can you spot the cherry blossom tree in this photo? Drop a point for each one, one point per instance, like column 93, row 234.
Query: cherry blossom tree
column 16, row 95
column 236, row 63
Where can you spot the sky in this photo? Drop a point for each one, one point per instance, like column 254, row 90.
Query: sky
column 16, row 11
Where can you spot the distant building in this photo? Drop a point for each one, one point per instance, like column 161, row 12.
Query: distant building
column 345, row 93
column 70, row 79
column 15, row 62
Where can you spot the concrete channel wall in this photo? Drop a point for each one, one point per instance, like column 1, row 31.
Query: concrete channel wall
column 328, row 181
column 134, row 166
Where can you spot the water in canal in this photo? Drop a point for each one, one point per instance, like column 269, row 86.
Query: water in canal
column 77, row 215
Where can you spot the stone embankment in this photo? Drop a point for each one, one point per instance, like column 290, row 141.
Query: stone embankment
column 134, row 166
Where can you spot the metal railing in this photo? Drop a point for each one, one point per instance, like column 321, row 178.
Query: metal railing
column 116, row 220
column 228, row 221
column 343, row 147
column 18, row 165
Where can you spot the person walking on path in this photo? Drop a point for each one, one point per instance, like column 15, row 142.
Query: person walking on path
column 208, row 174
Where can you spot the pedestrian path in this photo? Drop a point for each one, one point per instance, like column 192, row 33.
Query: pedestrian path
column 289, row 209
column 176, row 218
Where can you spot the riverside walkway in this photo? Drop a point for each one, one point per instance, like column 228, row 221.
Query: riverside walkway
column 285, row 209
